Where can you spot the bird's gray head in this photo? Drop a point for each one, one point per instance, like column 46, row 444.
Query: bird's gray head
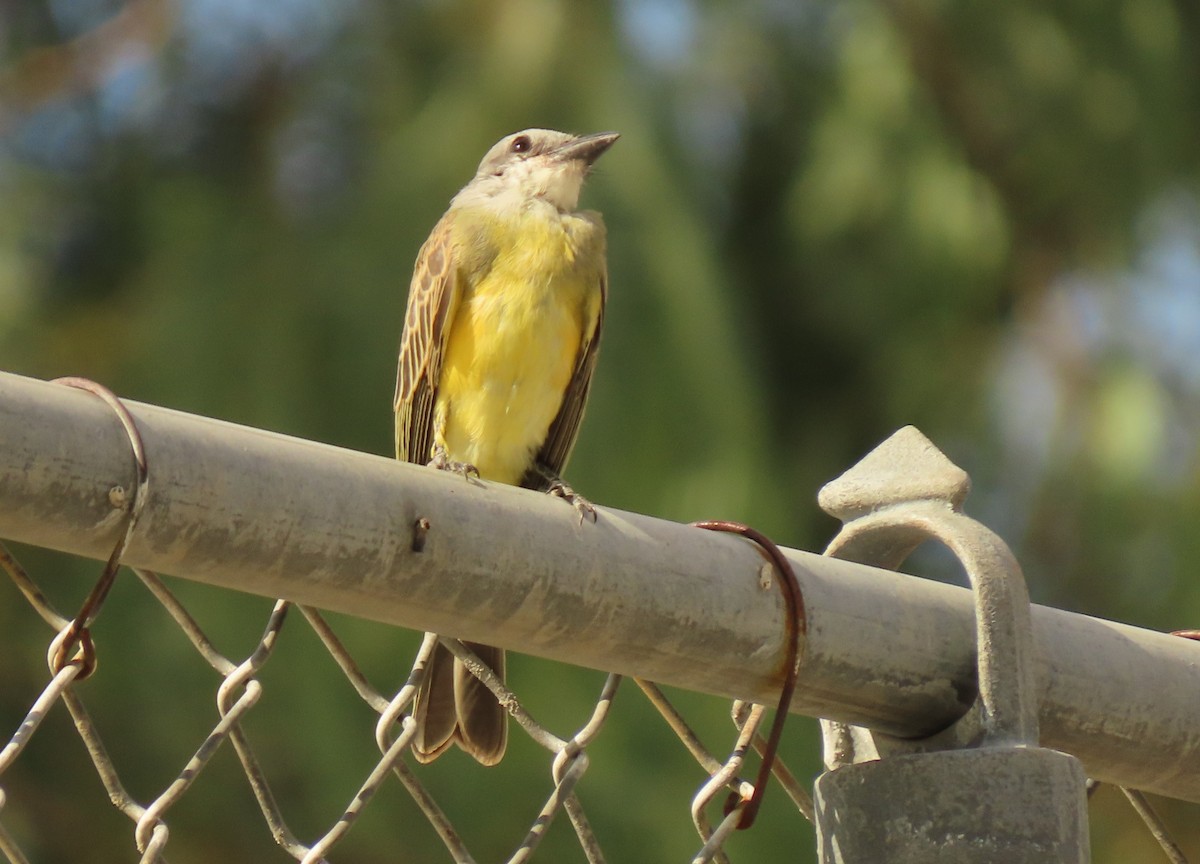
column 537, row 164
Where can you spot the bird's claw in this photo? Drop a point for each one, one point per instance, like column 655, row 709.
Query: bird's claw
column 442, row 462
column 582, row 506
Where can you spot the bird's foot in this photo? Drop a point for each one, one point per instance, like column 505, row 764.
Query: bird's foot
column 442, row 461
column 582, row 506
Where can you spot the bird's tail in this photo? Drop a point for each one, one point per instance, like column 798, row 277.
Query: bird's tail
column 455, row 707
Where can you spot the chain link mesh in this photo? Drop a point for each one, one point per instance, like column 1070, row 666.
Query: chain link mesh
column 240, row 690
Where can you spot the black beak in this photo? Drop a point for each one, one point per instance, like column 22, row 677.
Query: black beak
column 587, row 148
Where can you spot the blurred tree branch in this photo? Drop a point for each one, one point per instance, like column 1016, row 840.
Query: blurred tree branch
column 80, row 65
column 1041, row 241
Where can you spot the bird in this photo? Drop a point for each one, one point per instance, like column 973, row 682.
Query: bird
column 501, row 334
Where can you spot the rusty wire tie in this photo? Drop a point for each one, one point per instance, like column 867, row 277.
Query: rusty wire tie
column 76, row 633
column 794, row 623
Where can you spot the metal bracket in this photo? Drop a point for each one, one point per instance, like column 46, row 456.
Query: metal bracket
column 906, row 492
column 981, row 790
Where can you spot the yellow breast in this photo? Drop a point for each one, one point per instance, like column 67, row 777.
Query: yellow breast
column 515, row 340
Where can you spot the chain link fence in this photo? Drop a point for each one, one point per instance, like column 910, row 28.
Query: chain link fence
column 726, row 801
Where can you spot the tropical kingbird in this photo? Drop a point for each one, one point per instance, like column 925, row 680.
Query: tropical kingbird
column 500, row 340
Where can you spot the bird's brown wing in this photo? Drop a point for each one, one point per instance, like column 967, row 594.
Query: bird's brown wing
column 432, row 302
column 452, row 706
column 556, row 449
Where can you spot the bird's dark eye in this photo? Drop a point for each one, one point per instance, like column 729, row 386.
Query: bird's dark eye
column 521, row 144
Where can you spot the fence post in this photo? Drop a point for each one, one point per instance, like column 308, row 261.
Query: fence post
column 981, row 790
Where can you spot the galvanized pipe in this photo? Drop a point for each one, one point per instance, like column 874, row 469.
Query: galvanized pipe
column 267, row 514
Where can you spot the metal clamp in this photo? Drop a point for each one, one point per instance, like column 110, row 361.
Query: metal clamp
column 906, row 492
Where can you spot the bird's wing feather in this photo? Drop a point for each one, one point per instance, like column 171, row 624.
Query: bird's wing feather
column 432, row 302
column 560, row 440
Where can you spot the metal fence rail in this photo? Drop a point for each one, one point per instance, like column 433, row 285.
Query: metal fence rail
column 334, row 529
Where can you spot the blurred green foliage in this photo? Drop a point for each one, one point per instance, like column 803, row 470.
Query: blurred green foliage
column 827, row 220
